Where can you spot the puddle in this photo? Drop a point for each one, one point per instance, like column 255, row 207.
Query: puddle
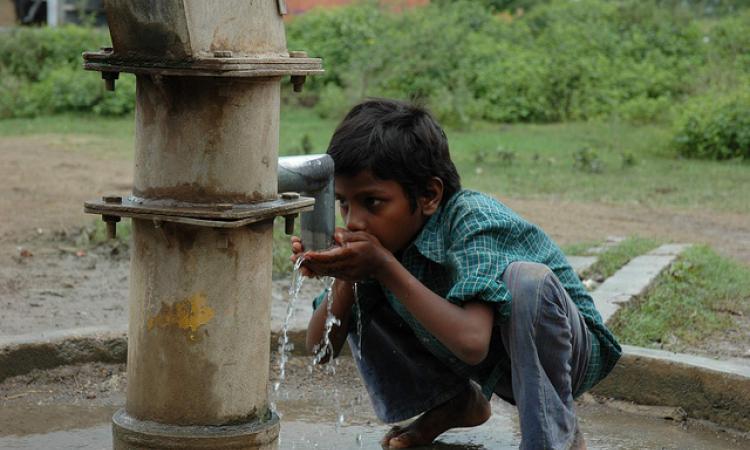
column 80, row 427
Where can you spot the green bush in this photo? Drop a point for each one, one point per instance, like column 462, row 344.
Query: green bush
column 41, row 73
column 560, row 61
column 555, row 61
column 715, row 126
column 30, row 53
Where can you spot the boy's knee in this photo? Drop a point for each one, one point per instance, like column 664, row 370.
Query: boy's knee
column 525, row 281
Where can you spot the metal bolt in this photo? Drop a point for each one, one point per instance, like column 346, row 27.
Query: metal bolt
column 222, row 54
column 290, row 195
column 112, row 199
column 289, row 224
column 109, row 80
column 282, row 7
column 298, row 81
column 107, row 49
column 111, row 222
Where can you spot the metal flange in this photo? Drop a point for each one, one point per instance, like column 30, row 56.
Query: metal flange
column 217, row 215
column 221, row 66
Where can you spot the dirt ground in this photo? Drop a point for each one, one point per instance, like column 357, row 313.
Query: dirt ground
column 43, row 274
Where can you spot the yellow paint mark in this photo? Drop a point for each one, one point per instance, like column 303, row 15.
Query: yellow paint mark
column 188, row 314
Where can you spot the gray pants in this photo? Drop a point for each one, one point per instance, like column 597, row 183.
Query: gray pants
column 544, row 346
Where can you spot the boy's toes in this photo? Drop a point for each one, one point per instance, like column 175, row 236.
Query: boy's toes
column 407, row 439
column 393, row 432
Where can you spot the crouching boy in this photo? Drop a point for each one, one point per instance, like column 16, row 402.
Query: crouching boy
column 459, row 298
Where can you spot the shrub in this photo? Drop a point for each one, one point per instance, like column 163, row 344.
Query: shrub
column 41, row 73
column 715, row 126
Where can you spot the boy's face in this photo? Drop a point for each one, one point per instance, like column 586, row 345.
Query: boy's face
column 379, row 207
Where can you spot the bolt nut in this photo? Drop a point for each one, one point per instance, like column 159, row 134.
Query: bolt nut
column 112, row 199
column 111, row 222
column 107, row 49
column 109, row 80
column 298, row 81
column 222, row 54
column 290, row 195
column 289, row 224
column 297, row 54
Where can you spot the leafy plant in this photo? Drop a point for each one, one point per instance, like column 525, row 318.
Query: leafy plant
column 587, row 160
column 715, row 126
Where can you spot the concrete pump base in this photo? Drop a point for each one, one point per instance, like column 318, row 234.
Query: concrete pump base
column 131, row 434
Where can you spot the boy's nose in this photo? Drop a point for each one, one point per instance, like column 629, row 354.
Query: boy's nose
column 355, row 222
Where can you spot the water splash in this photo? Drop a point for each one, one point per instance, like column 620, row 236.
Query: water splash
column 285, row 347
column 327, row 346
column 359, row 320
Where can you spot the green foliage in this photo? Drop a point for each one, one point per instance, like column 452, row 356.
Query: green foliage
column 697, row 296
column 559, row 61
column 587, row 160
column 715, row 126
column 612, row 259
column 539, row 61
column 40, row 73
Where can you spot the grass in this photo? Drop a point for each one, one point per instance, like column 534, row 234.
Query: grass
column 579, row 248
column 617, row 163
column 696, row 297
column 612, row 259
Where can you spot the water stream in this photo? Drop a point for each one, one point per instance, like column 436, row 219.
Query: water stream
column 324, row 349
column 285, row 347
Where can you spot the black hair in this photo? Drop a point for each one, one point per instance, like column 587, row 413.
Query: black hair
column 395, row 141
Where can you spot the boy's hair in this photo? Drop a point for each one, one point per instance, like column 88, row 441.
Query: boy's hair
column 395, row 141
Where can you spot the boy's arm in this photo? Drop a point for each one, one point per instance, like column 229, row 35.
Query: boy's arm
column 343, row 299
column 465, row 330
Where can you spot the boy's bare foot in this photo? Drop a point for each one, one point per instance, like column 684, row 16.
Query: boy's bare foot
column 467, row 409
column 579, row 443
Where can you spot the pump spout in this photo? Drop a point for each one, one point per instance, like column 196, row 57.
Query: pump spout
column 312, row 175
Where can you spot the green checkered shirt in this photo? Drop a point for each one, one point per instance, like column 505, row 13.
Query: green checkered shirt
column 461, row 254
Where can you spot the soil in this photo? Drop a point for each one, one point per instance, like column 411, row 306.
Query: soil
column 47, row 281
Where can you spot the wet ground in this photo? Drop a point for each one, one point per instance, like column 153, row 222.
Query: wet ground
column 71, row 407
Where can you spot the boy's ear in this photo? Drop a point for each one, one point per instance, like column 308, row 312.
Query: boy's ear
column 432, row 197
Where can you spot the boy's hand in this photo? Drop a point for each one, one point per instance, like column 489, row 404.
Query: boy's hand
column 358, row 256
column 298, row 251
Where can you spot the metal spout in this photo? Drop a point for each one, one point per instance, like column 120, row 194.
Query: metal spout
column 312, row 175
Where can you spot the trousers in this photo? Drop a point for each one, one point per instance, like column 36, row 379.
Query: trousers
column 543, row 349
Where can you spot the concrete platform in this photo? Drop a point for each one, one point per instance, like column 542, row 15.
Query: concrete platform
column 634, row 278
column 325, row 411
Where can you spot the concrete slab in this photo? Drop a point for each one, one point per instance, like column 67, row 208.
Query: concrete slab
column 633, row 279
column 705, row 388
column 581, row 263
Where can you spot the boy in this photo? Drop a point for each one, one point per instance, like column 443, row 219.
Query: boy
column 458, row 296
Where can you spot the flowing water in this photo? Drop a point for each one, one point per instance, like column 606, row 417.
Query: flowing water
column 284, row 345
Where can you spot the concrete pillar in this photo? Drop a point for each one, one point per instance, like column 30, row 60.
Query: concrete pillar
column 199, row 329
column 205, row 192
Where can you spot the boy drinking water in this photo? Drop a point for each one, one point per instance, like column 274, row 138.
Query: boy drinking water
column 458, row 296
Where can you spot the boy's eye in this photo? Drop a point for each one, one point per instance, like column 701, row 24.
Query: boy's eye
column 371, row 202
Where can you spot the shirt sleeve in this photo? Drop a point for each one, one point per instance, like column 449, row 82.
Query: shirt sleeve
column 478, row 256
